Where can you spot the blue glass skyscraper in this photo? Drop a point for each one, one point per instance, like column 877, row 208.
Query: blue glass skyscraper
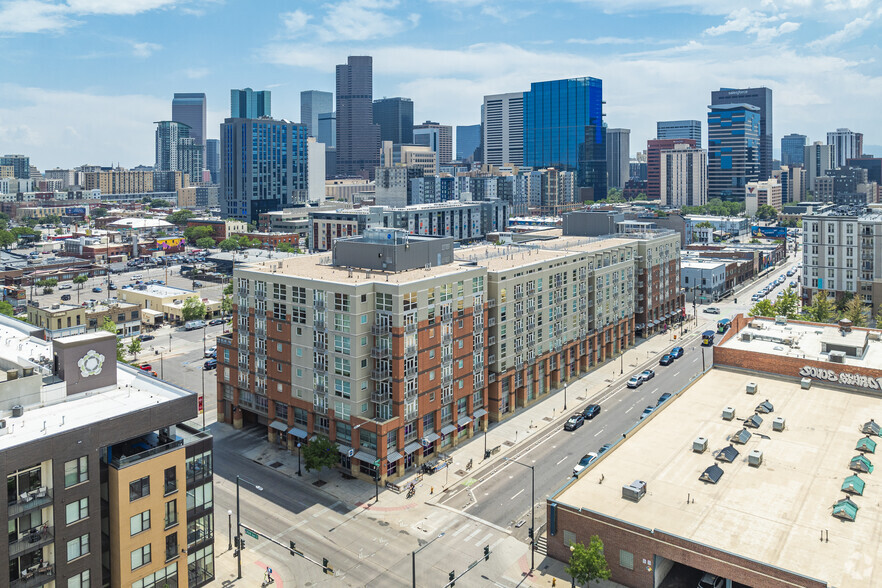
column 733, row 150
column 793, row 149
column 563, row 128
column 250, row 104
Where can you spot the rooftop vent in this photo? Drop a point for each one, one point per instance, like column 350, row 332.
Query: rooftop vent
column 853, row 485
column 837, row 356
column 778, row 424
column 755, row 458
column 870, row 428
column 699, row 445
column 765, row 407
column 17, row 410
column 780, row 320
column 712, row 474
column 860, row 463
column 844, row 326
column 727, row 454
column 753, row 422
column 728, row 413
column 634, row 491
column 741, row 437
column 752, row 387
column 866, row 445
column 845, row 509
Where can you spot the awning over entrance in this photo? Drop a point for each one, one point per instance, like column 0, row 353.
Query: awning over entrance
column 411, row 447
column 447, row 429
column 365, row 457
column 393, row 457
column 344, row 449
column 278, row 426
column 300, row 433
column 431, row 438
column 479, row 413
column 464, row 420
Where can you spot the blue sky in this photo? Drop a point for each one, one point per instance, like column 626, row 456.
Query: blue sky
column 83, row 80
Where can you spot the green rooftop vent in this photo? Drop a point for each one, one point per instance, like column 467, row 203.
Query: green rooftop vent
column 870, row 428
column 866, row 445
column 853, row 485
column 860, row 463
column 845, row 509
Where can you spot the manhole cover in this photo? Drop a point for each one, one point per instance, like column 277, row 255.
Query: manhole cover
column 460, row 472
column 507, row 443
column 549, row 419
column 319, row 483
column 275, row 464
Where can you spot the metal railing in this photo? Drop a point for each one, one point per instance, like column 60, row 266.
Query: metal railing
column 411, row 371
column 380, row 396
column 260, row 294
column 410, row 327
column 39, row 576
column 491, row 302
column 380, row 329
column 380, row 374
column 410, row 350
column 319, row 409
column 319, row 304
column 320, row 325
column 446, row 339
column 320, row 389
column 125, row 460
column 34, row 502
column 380, row 352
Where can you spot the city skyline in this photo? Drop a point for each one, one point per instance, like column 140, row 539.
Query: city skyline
column 441, row 54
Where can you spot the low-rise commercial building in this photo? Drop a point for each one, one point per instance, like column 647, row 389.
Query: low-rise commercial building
column 163, row 303
column 222, row 228
column 126, row 317
column 58, row 320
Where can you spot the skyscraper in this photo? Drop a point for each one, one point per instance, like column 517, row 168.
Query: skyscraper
column 395, row 118
column 654, row 147
column 437, row 136
column 761, row 98
column 250, row 104
column 818, row 161
column 502, row 119
column 190, row 110
column 168, row 136
column 733, row 141
column 679, row 129
column 263, row 166
column 846, row 144
column 212, row 158
column 793, row 149
column 618, row 157
column 327, row 129
column 21, row 165
column 312, row 104
column 468, row 138
column 563, row 129
column 358, row 138
column 683, row 176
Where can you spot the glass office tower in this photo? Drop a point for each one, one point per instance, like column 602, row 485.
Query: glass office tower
column 733, row 150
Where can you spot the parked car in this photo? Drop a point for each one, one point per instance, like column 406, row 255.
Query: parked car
column 635, row 382
column 647, row 375
column 604, row 448
column 96, row 289
column 712, row 310
column 711, row 581
column 215, row 322
column 574, row 422
column 210, row 364
column 209, row 351
column 584, row 462
column 146, row 367
column 146, row 337
column 677, row 352
column 137, row 277
column 666, row 359
column 591, row 411
column 647, row 411
column 197, row 284
column 663, row 397
column 65, row 297
column 111, row 287
column 65, row 287
column 193, row 325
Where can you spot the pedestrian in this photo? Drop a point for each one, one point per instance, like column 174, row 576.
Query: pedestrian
column 269, row 575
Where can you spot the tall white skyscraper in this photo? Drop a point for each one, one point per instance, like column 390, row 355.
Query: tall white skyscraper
column 846, row 145
column 818, row 161
column 312, row 104
column 683, row 176
column 503, row 121
column 618, row 157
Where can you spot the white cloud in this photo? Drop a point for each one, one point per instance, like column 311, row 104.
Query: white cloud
column 33, row 16
column 196, row 73
column 295, row 22
column 145, row 49
column 756, row 23
column 117, row 6
column 849, row 32
column 360, row 20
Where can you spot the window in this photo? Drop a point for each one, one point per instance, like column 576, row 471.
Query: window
column 342, row 366
column 626, row 559
column 171, row 512
column 410, row 301
column 78, row 547
column 569, row 538
column 201, row 496
column 341, row 344
column 76, row 471
column 167, row 576
column 140, row 522
column 171, row 546
column 139, row 489
column 368, row 440
column 342, row 388
column 141, row 556
column 81, row 580
column 76, row 511
column 171, row 480
column 342, row 322
column 341, row 302
column 344, row 433
column 200, row 565
column 384, row 302
column 200, row 529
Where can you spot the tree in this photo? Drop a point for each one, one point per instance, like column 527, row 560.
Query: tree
column 159, row 203
column 821, row 309
column 766, row 212
column 134, row 347
column 228, row 244
column 7, row 238
column 205, row 243
column 856, row 312
column 614, row 195
column 193, row 234
column 180, row 217
column 763, row 308
column 228, row 289
column 285, row 248
column 320, row 453
column 110, row 326
column 79, row 281
column 588, row 564
column 788, row 304
column 99, row 212
column 6, row 308
column 843, row 302
column 227, row 304
column 193, row 309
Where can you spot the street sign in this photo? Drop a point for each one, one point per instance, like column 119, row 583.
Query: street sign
column 251, row 533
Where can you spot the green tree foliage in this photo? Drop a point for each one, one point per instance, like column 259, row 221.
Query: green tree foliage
column 229, row 244
column 715, row 207
column 843, row 302
column 180, row 217
column 19, row 232
column 856, row 312
column 193, row 309
column 6, row 308
column 788, row 304
column 134, row 347
column 766, row 212
column 588, row 564
column 81, row 279
column 227, row 304
column 7, row 238
column 319, row 453
column 821, row 310
column 99, row 212
column 32, row 222
column 763, row 308
column 228, row 289
column 159, row 203
column 110, row 326
column 193, row 234
column 205, row 243
column 47, row 284
column 286, row 248
column 614, row 195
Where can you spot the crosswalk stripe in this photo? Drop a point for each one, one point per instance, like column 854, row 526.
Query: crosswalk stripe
column 483, row 541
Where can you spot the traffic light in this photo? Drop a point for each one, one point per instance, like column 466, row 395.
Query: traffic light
column 293, row 549
column 530, row 533
column 486, row 553
column 242, row 543
column 450, row 577
column 236, row 541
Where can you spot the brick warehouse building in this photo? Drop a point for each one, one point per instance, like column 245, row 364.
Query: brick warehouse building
column 414, row 347
column 785, row 504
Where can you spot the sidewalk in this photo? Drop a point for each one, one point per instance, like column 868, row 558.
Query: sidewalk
column 542, row 417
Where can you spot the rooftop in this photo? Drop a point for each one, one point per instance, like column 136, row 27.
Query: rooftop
column 140, row 223
column 772, row 513
column 161, row 291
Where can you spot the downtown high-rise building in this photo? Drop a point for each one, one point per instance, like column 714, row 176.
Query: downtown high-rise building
column 189, row 108
column 564, row 129
column 679, row 129
column 177, row 150
column 761, row 98
column 846, row 145
column 20, row 164
column 683, row 176
column 502, row 120
column 654, row 147
column 312, row 104
column 618, row 157
column 212, row 158
column 733, row 141
column 468, row 139
column 250, row 104
column 395, row 119
column 358, row 138
column 818, row 161
column 793, row 149
column 436, row 136
column 263, row 167
column 327, row 129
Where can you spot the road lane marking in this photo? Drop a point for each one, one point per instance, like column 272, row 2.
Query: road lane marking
column 562, row 460
column 460, row 530
column 630, row 409
column 483, row 540
column 518, row 494
column 598, row 432
column 676, row 374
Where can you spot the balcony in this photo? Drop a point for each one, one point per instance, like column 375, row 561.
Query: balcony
column 410, row 350
column 446, row 380
column 319, row 304
column 33, row 500
column 28, row 542
column 320, row 326
column 491, row 322
column 446, row 356
column 260, row 332
column 320, row 409
column 411, row 327
column 260, row 389
column 38, row 575
column 380, row 329
column 320, row 344
column 446, row 313
column 319, row 368
column 243, row 292
column 260, row 294
column 261, row 371
column 446, row 339
column 411, row 415
column 243, row 347
column 491, row 302
column 446, row 397
column 381, row 396
column 381, row 374
column 518, row 294
column 260, row 352
column 410, row 394
column 320, row 389
column 381, row 352
column 411, row 371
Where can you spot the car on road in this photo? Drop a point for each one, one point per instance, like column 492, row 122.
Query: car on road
column 755, row 298
column 209, row 351
column 65, row 297
column 96, row 289
column 603, row 449
column 591, row 411
column 193, row 325
column 574, row 422
column 197, row 284
column 146, row 367
column 712, row 310
column 666, row 359
column 215, row 322
column 711, row 581
column 210, row 364
column 65, row 287
column 137, row 277
column 647, row 375
column 111, row 287
column 635, row 381
column 146, row 337
column 677, row 352
column 663, row 397
column 792, row 284
column 584, row 462
column 647, row 411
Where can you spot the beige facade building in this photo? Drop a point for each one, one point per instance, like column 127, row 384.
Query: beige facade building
column 164, row 303
column 7, row 171
column 119, row 181
column 758, row 194
column 345, row 189
column 683, row 176
column 59, row 320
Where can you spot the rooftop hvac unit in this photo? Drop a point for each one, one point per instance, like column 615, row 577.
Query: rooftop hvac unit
column 3, row 429
column 634, row 491
column 699, row 445
column 752, row 387
column 780, row 320
column 837, row 356
column 747, row 336
column 755, row 458
column 728, row 413
column 805, row 383
column 17, row 410
column 778, row 424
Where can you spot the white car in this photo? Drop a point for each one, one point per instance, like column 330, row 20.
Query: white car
column 210, row 351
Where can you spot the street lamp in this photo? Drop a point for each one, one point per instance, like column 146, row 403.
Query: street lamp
column 413, row 557
column 532, row 511
column 230, row 529
column 299, row 444
column 486, row 455
column 565, row 395
column 239, row 520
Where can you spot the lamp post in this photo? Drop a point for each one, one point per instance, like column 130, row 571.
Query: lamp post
column 299, row 444
column 239, row 520
column 485, row 442
column 532, row 511
column 565, row 395
column 413, row 557
column 230, row 529
column 377, row 480
column 169, row 342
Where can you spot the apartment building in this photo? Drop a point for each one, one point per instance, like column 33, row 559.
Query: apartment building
column 119, row 181
column 113, row 490
column 396, row 348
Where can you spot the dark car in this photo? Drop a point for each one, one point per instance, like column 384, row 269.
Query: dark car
column 145, row 337
column 677, row 352
column 603, row 449
column 217, row 321
column 65, row 297
column 663, row 397
column 210, row 364
column 666, row 359
column 96, row 289
column 591, row 411
column 647, row 411
column 111, row 287
column 647, row 375
column 574, row 422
